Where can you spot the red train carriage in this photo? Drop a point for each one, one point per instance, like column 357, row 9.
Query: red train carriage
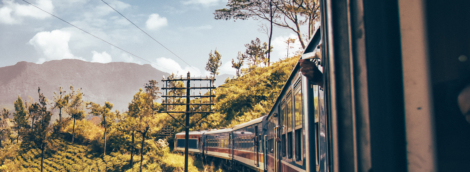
column 248, row 147
column 194, row 143
column 217, row 143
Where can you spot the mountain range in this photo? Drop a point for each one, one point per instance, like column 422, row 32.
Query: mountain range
column 116, row 82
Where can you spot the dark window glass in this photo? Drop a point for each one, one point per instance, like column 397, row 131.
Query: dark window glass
column 298, row 115
column 283, row 145
column 289, row 148
column 298, row 145
column 180, row 143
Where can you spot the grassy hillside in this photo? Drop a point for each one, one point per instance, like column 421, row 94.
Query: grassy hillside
column 83, row 155
column 250, row 96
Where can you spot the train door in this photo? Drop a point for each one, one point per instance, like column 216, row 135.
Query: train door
column 256, row 147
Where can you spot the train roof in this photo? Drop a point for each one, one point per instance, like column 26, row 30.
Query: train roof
column 255, row 121
column 219, row 131
column 191, row 133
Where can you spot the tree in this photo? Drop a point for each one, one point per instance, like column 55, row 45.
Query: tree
column 289, row 14
column 4, row 128
column 76, row 108
column 238, row 64
column 33, row 109
column 19, row 117
column 256, row 53
column 60, row 101
column 214, row 63
column 143, row 109
column 42, row 133
column 127, row 125
column 288, row 42
column 106, row 116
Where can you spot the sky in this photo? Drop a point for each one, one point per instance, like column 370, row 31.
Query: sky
column 186, row 27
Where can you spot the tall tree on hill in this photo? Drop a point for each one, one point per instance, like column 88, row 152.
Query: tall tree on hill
column 143, row 108
column 256, row 53
column 33, row 111
column 127, row 125
column 289, row 14
column 42, row 133
column 61, row 100
column 4, row 128
column 76, row 108
column 19, row 118
column 106, row 116
column 289, row 41
column 239, row 63
column 214, row 63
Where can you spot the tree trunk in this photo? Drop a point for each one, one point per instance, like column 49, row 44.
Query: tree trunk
column 271, row 31
column 60, row 118
column 42, row 156
column 132, row 148
column 73, row 130
column 104, row 135
column 142, row 149
column 18, row 135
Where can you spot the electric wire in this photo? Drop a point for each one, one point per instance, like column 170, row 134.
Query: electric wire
column 145, row 32
column 88, row 32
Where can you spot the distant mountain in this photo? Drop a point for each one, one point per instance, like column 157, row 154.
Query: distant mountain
column 115, row 82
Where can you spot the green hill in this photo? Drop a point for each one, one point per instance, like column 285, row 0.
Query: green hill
column 64, row 156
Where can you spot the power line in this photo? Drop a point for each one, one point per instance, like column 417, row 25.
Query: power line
column 87, row 32
column 145, row 32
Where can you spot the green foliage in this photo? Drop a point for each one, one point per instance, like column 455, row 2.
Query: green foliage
column 107, row 117
column 249, row 96
column 214, row 63
column 19, row 117
column 61, row 101
column 288, row 14
column 256, row 53
column 5, row 129
column 76, row 107
column 239, row 63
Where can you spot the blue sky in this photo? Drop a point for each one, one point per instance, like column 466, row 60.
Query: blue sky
column 186, row 27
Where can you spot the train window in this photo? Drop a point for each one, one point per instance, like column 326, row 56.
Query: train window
column 289, row 126
column 283, row 130
column 317, row 119
column 298, row 124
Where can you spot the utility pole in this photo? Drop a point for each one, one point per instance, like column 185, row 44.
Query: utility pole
column 188, row 103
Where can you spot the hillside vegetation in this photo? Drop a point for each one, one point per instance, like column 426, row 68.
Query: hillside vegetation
column 83, row 156
column 240, row 99
column 127, row 141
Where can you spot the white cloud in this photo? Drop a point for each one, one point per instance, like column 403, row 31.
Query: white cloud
column 280, row 47
column 171, row 66
column 226, row 68
column 155, row 21
column 103, row 57
column 104, row 9
column 5, row 16
column 13, row 13
column 203, row 2
column 52, row 45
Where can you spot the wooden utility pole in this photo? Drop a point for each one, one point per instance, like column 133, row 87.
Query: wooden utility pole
column 188, row 104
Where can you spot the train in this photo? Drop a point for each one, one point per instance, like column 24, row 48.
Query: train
column 391, row 74
column 276, row 141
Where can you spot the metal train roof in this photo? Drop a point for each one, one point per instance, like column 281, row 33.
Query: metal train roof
column 192, row 132
column 255, row 121
column 219, row 131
